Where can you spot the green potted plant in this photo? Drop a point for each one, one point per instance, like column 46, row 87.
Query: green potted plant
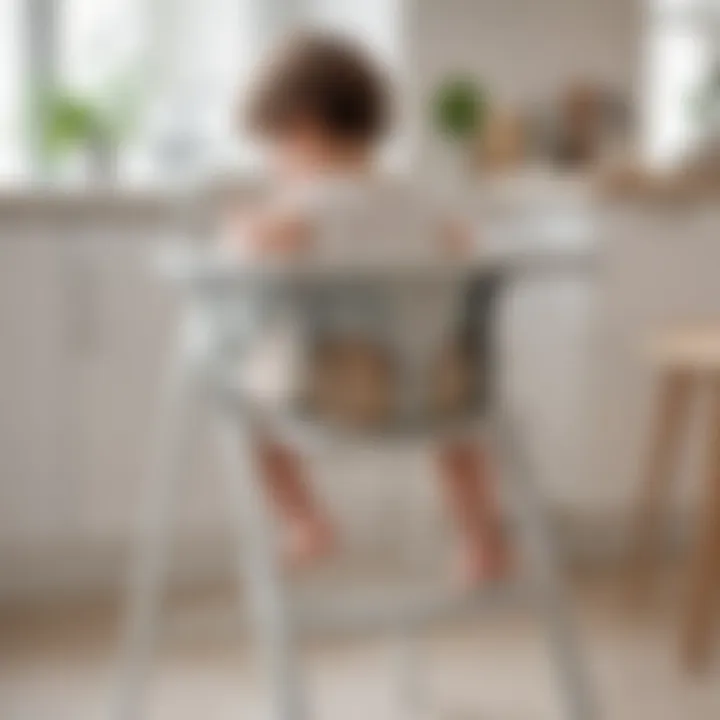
column 460, row 111
column 81, row 128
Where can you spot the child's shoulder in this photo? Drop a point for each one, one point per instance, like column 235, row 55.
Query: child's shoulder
column 268, row 228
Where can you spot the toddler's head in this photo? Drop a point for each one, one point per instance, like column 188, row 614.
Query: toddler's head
column 320, row 105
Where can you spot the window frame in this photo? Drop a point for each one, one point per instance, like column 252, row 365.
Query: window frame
column 701, row 18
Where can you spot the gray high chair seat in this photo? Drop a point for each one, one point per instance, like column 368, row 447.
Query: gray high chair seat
column 237, row 308
column 227, row 309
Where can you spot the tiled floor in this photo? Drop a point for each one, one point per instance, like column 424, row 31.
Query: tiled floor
column 61, row 668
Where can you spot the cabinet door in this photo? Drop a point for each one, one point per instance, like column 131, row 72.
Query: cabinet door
column 128, row 349
column 34, row 467
column 86, row 333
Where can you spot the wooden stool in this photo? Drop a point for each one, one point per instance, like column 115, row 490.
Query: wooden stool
column 683, row 358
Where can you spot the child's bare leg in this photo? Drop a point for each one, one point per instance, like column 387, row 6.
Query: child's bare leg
column 308, row 531
column 472, row 503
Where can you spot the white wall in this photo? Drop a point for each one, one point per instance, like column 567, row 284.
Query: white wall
column 525, row 51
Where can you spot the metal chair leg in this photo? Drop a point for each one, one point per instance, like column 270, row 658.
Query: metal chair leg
column 260, row 572
column 546, row 579
column 149, row 570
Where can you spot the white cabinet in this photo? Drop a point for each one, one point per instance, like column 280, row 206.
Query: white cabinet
column 85, row 329
column 34, row 468
column 660, row 268
column 119, row 385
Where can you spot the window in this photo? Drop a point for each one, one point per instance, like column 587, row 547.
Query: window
column 375, row 22
column 683, row 48
column 12, row 161
column 166, row 72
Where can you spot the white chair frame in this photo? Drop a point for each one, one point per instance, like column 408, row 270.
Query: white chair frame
column 187, row 383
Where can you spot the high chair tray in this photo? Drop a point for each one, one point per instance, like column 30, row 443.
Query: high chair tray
column 203, row 270
column 200, row 266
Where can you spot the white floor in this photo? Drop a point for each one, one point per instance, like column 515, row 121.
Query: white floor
column 61, row 668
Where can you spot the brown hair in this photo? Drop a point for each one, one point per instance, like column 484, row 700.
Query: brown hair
column 324, row 79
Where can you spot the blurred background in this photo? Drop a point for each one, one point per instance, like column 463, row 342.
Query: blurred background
column 143, row 92
column 587, row 127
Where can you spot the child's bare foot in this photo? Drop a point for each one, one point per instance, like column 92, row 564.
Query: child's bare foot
column 307, row 541
column 482, row 560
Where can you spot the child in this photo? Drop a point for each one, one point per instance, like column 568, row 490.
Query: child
column 321, row 107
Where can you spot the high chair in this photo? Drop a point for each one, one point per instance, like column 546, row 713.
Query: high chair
column 216, row 327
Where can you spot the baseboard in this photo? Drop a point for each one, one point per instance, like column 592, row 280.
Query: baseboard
column 77, row 570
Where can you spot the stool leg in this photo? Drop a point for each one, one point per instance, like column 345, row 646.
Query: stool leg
column 672, row 407
column 260, row 571
column 705, row 571
column 149, row 570
column 545, row 576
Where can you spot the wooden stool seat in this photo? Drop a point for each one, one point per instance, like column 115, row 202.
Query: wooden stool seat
column 683, row 358
column 695, row 349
